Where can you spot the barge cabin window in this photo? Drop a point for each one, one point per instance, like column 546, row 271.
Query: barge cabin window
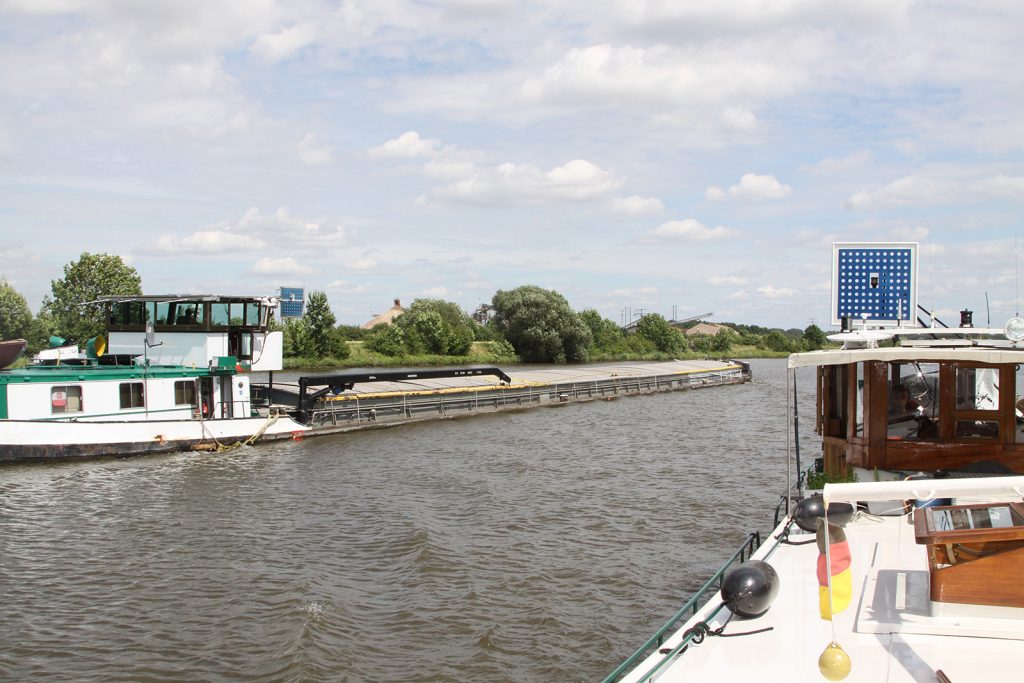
column 66, row 399
column 132, row 395
column 185, row 393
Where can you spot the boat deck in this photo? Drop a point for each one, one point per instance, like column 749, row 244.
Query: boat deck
column 887, row 630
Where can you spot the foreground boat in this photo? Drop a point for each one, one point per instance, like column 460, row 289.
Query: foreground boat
column 896, row 627
column 919, row 576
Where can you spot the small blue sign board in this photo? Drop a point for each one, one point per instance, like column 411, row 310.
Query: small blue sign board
column 874, row 282
column 293, row 300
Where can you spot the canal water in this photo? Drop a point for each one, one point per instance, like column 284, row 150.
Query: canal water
column 543, row 545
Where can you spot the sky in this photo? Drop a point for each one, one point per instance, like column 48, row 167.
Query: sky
column 637, row 156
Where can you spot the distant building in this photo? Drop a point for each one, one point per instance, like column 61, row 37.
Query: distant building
column 706, row 329
column 385, row 317
column 483, row 314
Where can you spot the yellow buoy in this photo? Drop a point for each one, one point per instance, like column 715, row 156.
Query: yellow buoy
column 834, row 664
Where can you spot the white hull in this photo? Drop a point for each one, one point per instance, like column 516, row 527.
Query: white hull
column 30, row 439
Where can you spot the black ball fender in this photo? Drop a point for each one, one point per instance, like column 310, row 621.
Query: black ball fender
column 748, row 589
column 809, row 510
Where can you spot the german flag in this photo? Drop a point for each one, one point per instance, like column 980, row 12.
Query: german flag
column 842, row 577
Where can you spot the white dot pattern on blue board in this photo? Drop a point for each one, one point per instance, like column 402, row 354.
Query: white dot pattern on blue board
column 888, row 298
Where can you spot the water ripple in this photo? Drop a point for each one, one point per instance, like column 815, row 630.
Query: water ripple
column 541, row 545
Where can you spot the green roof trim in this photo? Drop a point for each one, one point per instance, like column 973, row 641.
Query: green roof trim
column 49, row 374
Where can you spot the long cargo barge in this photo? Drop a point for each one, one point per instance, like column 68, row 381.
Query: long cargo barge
column 370, row 399
column 176, row 372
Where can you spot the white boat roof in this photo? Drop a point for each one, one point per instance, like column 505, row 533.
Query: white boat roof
column 888, row 630
column 166, row 298
column 973, row 344
column 975, row 354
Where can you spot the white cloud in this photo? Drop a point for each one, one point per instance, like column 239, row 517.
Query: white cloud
column 408, row 145
column 435, row 292
column 689, row 230
column 344, row 287
column 837, row 165
column 771, row 292
column 279, row 266
column 448, row 169
column 938, row 188
column 907, row 190
column 715, row 194
column 312, row 152
column 254, row 230
column 207, row 243
column 510, row 183
column 752, row 187
column 635, row 205
column 726, row 280
column 740, row 119
column 363, row 264
column 740, row 295
column 285, row 43
column 665, row 76
column 636, row 292
column 1000, row 186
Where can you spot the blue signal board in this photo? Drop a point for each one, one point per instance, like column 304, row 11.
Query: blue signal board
column 292, row 302
column 874, row 282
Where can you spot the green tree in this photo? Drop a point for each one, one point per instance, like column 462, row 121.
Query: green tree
column 86, row 280
column 387, row 339
column 540, row 325
column 43, row 327
column 323, row 340
column 296, row 339
column 15, row 315
column 352, row 332
column 775, row 340
column 814, row 338
column 723, row 341
column 654, row 328
column 605, row 333
column 701, row 343
column 435, row 326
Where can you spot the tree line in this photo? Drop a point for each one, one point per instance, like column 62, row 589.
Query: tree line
column 529, row 323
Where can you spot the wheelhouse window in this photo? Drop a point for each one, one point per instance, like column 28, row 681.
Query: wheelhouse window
column 128, row 314
column 977, row 403
column 235, row 314
column 187, row 314
column 132, row 395
column 65, row 399
column 185, row 393
column 858, row 425
column 913, row 401
column 220, row 314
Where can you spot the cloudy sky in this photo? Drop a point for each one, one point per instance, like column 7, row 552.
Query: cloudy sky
column 678, row 157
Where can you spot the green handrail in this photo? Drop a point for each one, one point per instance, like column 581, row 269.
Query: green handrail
column 752, row 543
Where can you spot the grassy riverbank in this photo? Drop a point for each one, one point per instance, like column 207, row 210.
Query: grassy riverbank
column 481, row 354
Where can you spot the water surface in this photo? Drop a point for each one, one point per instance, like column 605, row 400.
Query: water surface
column 542, row 545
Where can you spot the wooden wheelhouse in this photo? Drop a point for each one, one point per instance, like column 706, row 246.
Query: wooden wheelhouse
column 917, row 408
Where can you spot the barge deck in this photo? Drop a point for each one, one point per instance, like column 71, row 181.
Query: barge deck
column 376, row 403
